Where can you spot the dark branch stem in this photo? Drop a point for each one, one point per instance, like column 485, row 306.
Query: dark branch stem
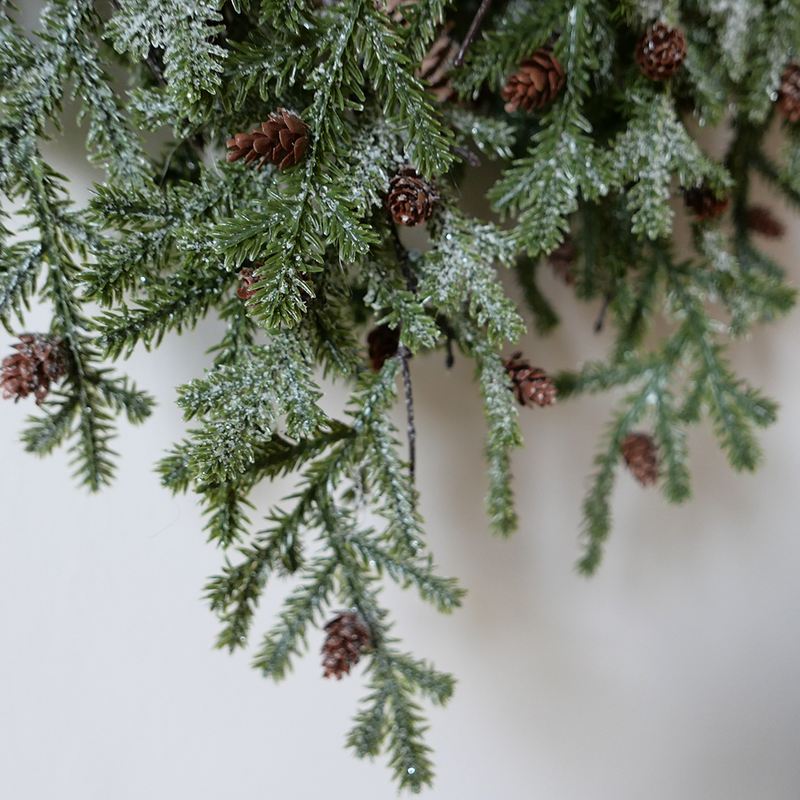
column 601, row 318
column 473, row 29
column 402, row 257
column 404, row 355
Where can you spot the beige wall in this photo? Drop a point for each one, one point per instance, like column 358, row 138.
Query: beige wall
column 671, row 675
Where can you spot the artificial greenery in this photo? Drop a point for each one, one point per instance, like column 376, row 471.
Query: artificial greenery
column 164, row 237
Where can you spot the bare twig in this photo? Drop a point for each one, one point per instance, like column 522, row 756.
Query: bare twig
column 403, row 354
column 451, row 359
column 473, row 29
column 465, row 155
column 598, row 326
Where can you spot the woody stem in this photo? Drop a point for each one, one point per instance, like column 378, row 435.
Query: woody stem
column 473, row 29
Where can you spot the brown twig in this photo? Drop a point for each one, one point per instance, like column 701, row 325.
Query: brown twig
column 473, row 29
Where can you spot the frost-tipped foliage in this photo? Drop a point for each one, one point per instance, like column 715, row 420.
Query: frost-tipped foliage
column 167, row 235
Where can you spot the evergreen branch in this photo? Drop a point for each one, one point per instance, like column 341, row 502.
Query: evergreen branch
column 545, row 316
column 19, row 267
column 503, row 435
column 193, row 63
column 234, row 595
column 596, row 505
column 407, row 570
column 288, row 637
column 179, row 302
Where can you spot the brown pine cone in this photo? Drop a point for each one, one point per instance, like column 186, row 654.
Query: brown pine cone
column 37, row 363
column 788, row 101
column 282, row 141
column 641, row 455
column 562, row 259
column 761, row 220
column 412, row 199
column 347, row 636
column 436, row 64
column 383, row 342
column 538, row 81
column 531, row 384
column 704, row 203
column 248, row 277
column 661, row 51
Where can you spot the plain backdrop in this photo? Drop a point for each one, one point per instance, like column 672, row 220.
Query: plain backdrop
column 671, row 675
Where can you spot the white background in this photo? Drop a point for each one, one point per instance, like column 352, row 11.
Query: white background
column 671, row 675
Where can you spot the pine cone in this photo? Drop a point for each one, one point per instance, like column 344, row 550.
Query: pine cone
column 562, row 259
column 641, row 455
column 761, row 220
column 538, row 81
column 412, row 199
column 704, row 203
column 788, row 101
column 248, row 277
column 436, row 64
column 531, row 384
column 347, row 637
column 661, row 51
column 37, row 363
column 383, row 342
column 282, row 141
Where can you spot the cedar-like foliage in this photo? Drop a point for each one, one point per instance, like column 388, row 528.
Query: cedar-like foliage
column 166, row 236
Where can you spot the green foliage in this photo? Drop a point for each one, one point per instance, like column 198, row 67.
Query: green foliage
column 167, row 235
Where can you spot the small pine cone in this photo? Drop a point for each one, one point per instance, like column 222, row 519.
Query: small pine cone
column 347, row 637
column 37, row 363
column 641, row 455
column 562, row 259
column 436, row 64
column 248, row 277
column 383, row 342
column 538, row 81
column 761, row 220
column 704, row 203
column 661, row 52
column 788, row 101
column 531, row 384
column 412, row 199
column 282, row 141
